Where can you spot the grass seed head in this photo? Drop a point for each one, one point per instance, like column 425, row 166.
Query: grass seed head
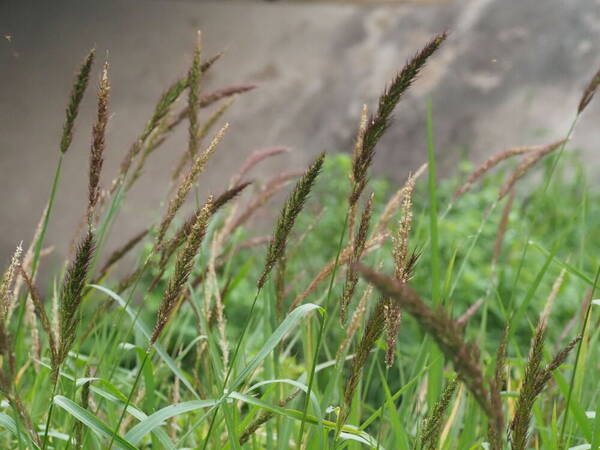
column 183, row 268
column 358, row 248
column 7, row 293
column 589, row 92
column 71, row 295
column 430, row 434
column 528, row 162
column 380, row 121
column 98, row 144
column 194, row 76
column 288, row 215
column 77, row 92
column 187, row 182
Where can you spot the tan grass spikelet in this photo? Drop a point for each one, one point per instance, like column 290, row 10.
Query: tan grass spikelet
column 42, row 316
column 7, row 293
column 395, row 200
column 489, row 164
column 186, row 184
column 528, row 162
column 183, row 268
column 358, row 145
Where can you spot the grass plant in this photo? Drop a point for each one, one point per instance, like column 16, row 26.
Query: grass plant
column 462, row 334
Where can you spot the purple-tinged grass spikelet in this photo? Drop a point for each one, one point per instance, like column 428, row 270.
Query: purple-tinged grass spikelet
column 288, row 215
column 183, row 268
column 255, row 158
column 77, row 92
column 98, row 144
column 380, row 121
column 589, row 92
column 528, row 162
column 489, row 164
column 358, row 247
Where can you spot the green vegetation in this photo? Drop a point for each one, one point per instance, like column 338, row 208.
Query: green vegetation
column 441, row 314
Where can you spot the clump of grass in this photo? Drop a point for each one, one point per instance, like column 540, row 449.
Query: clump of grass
column 185, row 386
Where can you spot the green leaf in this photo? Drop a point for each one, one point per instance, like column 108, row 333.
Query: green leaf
column 157, row 419
column 90, row 421
column 303, row 387
column 282, row 330
column 349, row 432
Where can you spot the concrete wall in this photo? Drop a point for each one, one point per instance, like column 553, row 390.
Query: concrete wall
column 510, row 74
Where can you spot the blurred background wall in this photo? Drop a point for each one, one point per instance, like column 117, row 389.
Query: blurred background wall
column 510, row 74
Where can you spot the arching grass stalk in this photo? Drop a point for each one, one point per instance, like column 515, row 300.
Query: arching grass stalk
column 579, row 344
